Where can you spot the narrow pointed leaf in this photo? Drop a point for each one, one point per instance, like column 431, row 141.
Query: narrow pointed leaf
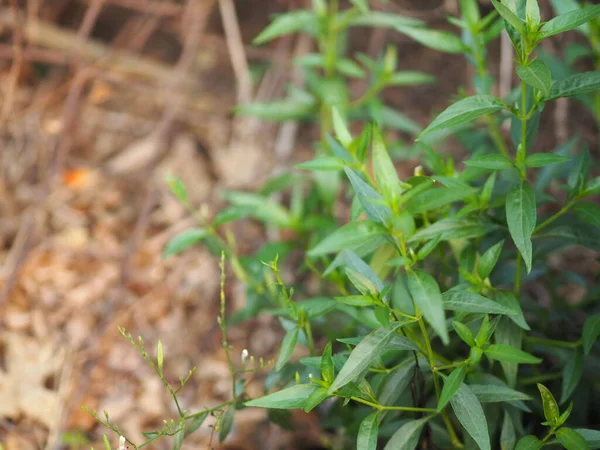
column 407, row 436
column 451, row 385
column 529, row 442
column 591, row 331
column 572, row 373
column 351, row 236
column 521, row 217
column 184, row 240
column 551, row 411
column 367, row 432
column 507, row 353
column 287, row 347
column 426, row 294
column 569, row 21
column 438, row 40
column 537, row 75
column 385, row 172
column 470, row 302
column 571, row 439
column 286, row 24
column 371, row 201
column 470, row 414
column 293, row 397
column 577, row 84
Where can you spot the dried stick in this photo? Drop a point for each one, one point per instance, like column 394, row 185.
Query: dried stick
column 237, row 54
column 161, row 9
column 16, row 64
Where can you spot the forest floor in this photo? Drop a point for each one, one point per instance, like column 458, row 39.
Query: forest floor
column 101, row 101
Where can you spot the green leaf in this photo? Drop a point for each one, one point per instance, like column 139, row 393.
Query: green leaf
column 551, row 411
column 177, row 188
column 592, row 437
column 397, row 120
column 568, row 21
column 510, row 301
column 279, row 110
column 427, row 296
column 293, row 397
column 488, row 260
column 261, row 207
column 385, row 172
column 396, row 383
column 351, row 236
column 591, row 331
column 349, row 68
column 577, row 84
column 315, row 399
column 368, row 431
column 544, row 159
column 106, row 442
column 441, row 41
column 409, row 78
column 508, row 333
column 323, row 163
column 379, row 19
column 340, row 127
column 196, row 422
column 371, row 201
column 464, row 332
column 184, row 240
column 509, row 16
column 327, row 367
column 287, row 347
column 508, row 436
column 407, row 436
column 508, row 353
column 464, row 111
column 453, row 228
column 537, row 75
column 521, row 218
column 532, row 14
column 362, row 283
column 436, row 198
column 571, row 439
column 299, row 20
column 470, row 302
column 529, row 442
column 451, row 385
column 470, row 414
column 490, row 393
column 492, row 162
column 572, row 373
column 588, row 212
column 363, row 5
column 226, row 424
column 363, row 355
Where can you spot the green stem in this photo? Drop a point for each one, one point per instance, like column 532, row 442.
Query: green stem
column 497, row 137
column 541, row 378
column 518, row 274
column 392, row 408
column 309, row 338
column 552, row 218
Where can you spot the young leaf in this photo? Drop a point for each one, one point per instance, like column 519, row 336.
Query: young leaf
column 368, row 431
column 451, row 385
column 576, row 84
column 521, row 218
column 551, row 411
column 464, row 332
column 591, row 331
column 385, row 172
column 492, row 162
column 507, row 353
column 287, row 347
column 327, row 368
column 529, row 442
column 363, row 356
column 488, row 260
column 470, row 302
column 363, row 5
column 464, row 111
column 588, row 212
column 286, row 24
column 537, row 75
column 407, row 436
column 379, row 19
column 572, row 373
column 568, row 21
column 396, row 383
column 315, row 399
column 544, row 159
column 508, row 300
column 438, row 40
column 177, row 188
column 196, row 422
column 571, row 439
column 351, row 236
column 532, row 14
column 184, row 240
column 409, row 78
column 470, row 414
column 426, row 294
column 509, row 16
column 369, row 198
column 293, row 397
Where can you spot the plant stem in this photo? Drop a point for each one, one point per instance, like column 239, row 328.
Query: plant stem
column 541, row 378
column 552, row 218
column 392, row 408
column 518, row 274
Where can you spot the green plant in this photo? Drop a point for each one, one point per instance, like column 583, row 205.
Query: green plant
column 421, row 329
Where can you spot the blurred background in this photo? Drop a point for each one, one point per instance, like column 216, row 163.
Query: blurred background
column 100, row 101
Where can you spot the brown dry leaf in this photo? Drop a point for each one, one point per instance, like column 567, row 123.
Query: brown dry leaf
column 30, row 367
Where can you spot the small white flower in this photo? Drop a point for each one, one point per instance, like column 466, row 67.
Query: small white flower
column 418, row 171
column 122, row 443
column 310, row 376
column 244, row 355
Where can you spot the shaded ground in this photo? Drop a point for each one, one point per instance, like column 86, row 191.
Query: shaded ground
column 100, row 102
